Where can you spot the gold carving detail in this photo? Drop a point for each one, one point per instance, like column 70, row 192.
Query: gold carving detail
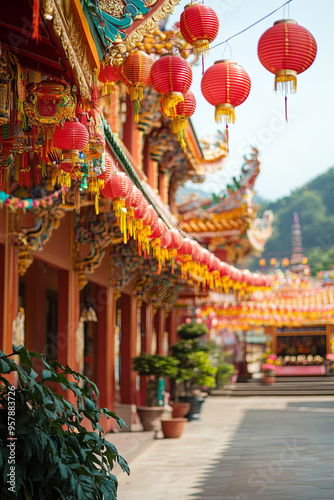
column 118, row 52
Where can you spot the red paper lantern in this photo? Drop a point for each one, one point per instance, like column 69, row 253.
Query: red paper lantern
column 140, row 210
column 176, row 237
column 135, row 73
column 185, row 248
column 287, row 49
column 165, row 239
column 199, row 26
column 158, row 228
column 180, row 114
column 72, row 136
column 120, row 185
column 109, row 76
column 108, row 165
column 150, row 217
column 225, row 85
column 171, row 76
column 133, row 198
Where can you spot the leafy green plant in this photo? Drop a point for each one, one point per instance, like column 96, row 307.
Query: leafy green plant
column 55, row 456
column 190, row 331
column 224, row 372
column 155, row 367
column 195, row 368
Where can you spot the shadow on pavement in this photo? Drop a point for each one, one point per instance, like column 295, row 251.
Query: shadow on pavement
column 275, row 454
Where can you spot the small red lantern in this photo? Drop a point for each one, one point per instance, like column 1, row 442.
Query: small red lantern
column 287, row 49
column 73, row 136
column 120, row 185
column 225, row 85
column 180, row 114
column 135, row 73
column 108, row 75
column 70, row 139
column 132, row 200
column 108, row 166
column 199, row 26
column 171, row 76
column 177, row 238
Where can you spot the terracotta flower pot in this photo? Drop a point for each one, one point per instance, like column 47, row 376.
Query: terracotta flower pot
column 173, row 427
column 150, row 417
column 269, row 380
column 180, row 409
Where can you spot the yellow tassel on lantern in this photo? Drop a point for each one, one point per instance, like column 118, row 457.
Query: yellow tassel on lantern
column 170, row 101
column 225, row 113
column 201, row 48
column 136, row 93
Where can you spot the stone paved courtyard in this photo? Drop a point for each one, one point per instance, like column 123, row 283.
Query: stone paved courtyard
column 242, row 449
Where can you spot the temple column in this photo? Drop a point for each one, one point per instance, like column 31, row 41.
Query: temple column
column 128, row 348
column 106, row 316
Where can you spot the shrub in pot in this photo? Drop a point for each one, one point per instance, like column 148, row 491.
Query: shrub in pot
column 195, row 369
column 55, row 456
column 155, row 367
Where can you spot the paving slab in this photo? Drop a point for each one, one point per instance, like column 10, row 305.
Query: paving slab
column 251, row 448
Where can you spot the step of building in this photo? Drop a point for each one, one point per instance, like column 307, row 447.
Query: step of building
column 285, row 386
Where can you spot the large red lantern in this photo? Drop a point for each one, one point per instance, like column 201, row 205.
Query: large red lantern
column 199, row 26
column 171, row 76
column 225, row 85
column 287, row 49
column 180, row 114
column 135, row 73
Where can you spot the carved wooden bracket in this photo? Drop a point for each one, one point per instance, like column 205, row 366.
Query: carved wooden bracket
column 31, row 239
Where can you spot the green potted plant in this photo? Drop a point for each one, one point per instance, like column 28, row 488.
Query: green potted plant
column 155, row 367
column 45, row 452
column 195, row 370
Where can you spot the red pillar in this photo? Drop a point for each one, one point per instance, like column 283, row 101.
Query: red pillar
column 148, row 164
column 106, row 352
column 10, row 293
column 162, row 186
column 10, row 290
column 68, row 312
column 130, row 131
column 160, row 328
column 128, row 349
column 147, row 330
column 2, row 295
column 172, row 328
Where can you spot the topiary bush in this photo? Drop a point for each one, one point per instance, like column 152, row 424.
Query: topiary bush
column 155, row 366
column 52, row 456
column 190, row 331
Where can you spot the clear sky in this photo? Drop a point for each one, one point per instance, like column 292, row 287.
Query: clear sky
column 292, row 153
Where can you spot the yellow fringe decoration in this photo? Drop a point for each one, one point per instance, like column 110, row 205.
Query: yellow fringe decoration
column 224, row 114
column 109, row 88
column 136, row 93
column 130, row 221
column 170, row 101
column 178, row 124
column 201, row 48
column 286, row 83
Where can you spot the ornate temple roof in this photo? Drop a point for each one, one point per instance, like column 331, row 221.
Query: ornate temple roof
column 228, row 219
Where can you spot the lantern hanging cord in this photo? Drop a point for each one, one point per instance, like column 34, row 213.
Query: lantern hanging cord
column 251, row 26
column 245, row 29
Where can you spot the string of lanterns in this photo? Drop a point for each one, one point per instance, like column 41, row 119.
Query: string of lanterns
column 286, row 49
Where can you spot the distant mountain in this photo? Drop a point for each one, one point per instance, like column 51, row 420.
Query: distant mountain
column 314, row 203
